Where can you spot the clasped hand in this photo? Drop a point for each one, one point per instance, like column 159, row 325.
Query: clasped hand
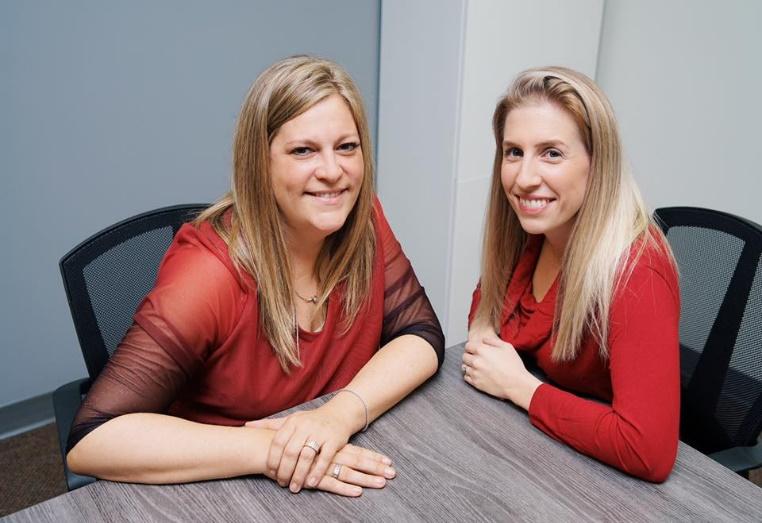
column 493, row 366
column 293, row 460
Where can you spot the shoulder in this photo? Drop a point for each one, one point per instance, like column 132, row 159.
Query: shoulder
column 650, row 263
column 201, row 250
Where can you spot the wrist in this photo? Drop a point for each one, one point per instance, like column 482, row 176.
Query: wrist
column 257, row 447
column 520, row 391
column 349, row 411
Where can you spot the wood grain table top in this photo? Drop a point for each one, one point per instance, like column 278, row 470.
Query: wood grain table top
column 460, row 455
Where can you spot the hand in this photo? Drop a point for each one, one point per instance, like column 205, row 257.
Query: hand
column 290, row 460
column 358, row 468
column 493, row 366
column 477, row 332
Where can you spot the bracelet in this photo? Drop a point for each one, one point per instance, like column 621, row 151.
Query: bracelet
column 365, row 406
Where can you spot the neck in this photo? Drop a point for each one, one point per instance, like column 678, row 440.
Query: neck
column 556, row 246
column 303, row 255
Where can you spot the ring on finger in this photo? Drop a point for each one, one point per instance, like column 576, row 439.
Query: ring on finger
column 314, row 445
column 336, row 471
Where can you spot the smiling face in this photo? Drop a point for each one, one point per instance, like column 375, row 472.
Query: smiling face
column 316, row 167
column 545, row 169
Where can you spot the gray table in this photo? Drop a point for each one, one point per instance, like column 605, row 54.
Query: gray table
column 460, row 455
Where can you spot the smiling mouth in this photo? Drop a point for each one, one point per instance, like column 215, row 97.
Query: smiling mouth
column 534, row 204
column 327, row 195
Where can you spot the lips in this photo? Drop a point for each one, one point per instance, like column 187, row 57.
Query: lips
column 326, row 196
column 533, row 204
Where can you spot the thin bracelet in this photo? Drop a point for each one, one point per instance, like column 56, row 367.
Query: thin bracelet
column 363, row 404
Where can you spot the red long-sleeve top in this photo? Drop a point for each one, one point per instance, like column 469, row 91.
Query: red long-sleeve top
column 633, row 421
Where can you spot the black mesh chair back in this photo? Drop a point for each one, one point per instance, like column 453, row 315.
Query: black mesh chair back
column 718, row 255
column 105, row 278
column 108, row 275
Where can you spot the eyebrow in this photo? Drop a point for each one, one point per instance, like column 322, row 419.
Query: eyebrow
column 541, row 145
column 309, row 141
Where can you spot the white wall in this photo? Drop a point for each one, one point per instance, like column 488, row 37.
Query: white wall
column 684, row 78
column 443, row 66
column 502, row 39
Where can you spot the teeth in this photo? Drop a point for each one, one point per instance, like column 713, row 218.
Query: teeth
column 534, row 204
column 326, row 195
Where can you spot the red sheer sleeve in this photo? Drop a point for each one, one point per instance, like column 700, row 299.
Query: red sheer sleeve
column 190, row 311
column 407, row 309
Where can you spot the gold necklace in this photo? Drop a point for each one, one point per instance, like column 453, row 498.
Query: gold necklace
column 312, row 299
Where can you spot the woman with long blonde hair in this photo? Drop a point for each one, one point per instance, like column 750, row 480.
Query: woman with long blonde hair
column 292, row 286
column 577, row 279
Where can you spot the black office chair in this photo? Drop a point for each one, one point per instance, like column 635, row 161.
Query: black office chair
column 718, row 255
column 105, row 278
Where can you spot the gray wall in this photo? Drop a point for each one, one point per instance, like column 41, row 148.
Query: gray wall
column 108, row 109
column 684, row 78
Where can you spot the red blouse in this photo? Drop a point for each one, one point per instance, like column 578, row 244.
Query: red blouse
column 636, row 428
column 196, row 350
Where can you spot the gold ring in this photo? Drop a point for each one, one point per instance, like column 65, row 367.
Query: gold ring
column 336, row 471
column 314, row 445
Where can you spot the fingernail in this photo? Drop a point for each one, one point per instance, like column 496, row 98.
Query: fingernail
column 390, row 472
column 312, row 482
column 386, row 461
column 294, row 488
column 356, row 491
column 380, row 482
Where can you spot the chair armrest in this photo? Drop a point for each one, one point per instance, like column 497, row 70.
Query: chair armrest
column 66, row 401
column 740, row 459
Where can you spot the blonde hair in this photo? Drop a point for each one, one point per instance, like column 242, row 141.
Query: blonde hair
column 254, row 233
column 611, row 218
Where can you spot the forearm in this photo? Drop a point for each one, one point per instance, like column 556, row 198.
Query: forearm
column 409, row 360
column 155, row 448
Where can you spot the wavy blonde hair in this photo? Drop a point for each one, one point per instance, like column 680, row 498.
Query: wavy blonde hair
column 254, row 231
column 611, row 218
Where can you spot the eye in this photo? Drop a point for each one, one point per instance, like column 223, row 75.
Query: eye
column 301, row 151
column 348, row 147
column 553, row 154
column 512, row 152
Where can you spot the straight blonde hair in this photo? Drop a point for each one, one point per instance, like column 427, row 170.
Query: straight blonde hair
column 612, row 216
column 254, row 232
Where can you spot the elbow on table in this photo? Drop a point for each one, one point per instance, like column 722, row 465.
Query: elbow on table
column 653, row 461
column 75, row 461
column 655, row 473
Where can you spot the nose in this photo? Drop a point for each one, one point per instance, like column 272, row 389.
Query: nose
column 330, row 169
column 527, row 177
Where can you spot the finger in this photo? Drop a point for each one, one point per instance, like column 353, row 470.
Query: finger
column 292, row 453
column 320, row 467
column 355, row 477
column 277, row 446
column 376, row 456
column 366, row 461
column 329, row 484
column 494, row 341
column 267, row 423
column 306, row 458
column 468, row 359
column 472, row 347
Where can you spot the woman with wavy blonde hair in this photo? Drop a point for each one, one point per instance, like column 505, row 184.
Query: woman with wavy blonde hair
column 290, row 287
column 576, row 277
